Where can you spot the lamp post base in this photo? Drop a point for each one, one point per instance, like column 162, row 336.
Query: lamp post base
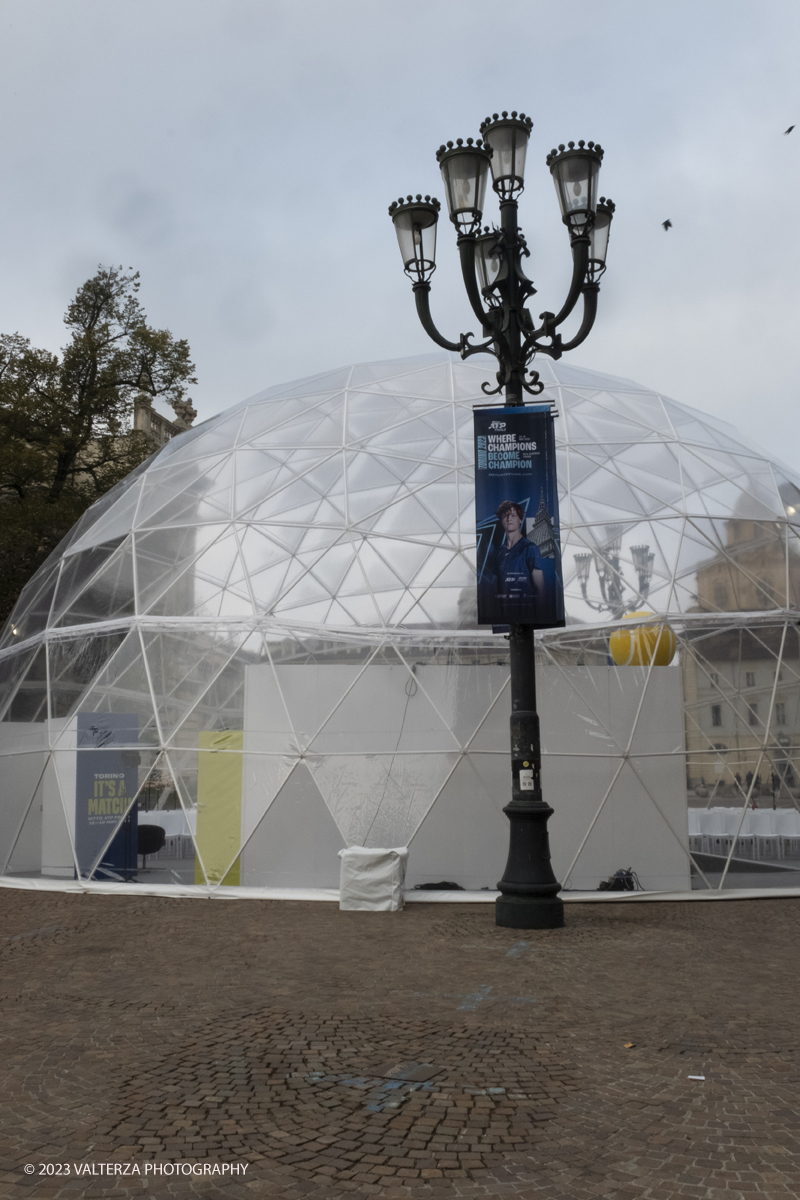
column 529, row 912
column 529, row 888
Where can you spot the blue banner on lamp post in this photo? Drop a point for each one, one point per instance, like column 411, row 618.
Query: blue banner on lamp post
column 516, row 518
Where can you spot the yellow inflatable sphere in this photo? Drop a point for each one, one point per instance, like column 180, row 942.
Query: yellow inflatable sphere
column 642, row 646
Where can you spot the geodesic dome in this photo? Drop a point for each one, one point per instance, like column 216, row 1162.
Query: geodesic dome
column 264, row 643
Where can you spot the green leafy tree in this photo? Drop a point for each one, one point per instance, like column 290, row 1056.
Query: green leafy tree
column 66, row 433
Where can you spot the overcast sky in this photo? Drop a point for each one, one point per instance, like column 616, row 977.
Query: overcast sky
column 241, row 154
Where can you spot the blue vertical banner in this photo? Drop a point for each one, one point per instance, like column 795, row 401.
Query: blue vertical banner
column 516, row 518
column 107, row 779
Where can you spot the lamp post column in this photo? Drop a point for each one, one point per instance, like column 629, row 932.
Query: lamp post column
column 529, row 898
column 529, row 890
column 513, row 334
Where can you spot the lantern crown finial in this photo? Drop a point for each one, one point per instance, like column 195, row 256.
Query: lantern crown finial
column 420, row 200
column 458, row 145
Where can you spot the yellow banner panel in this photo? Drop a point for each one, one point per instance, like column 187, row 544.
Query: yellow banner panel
column 219, row 806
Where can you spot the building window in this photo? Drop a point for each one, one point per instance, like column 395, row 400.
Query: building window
column 715, row 678
column 720, row 595
column 780, row 713
column 716, row 714
column 752, row 713
column 750, row 680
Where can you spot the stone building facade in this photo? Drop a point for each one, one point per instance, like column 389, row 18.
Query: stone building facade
column 742, row 681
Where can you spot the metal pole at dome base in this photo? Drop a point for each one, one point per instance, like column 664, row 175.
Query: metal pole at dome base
column 529, row 890
column 498, row 289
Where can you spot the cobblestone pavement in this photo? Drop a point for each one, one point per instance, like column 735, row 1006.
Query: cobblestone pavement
column 421, row 1054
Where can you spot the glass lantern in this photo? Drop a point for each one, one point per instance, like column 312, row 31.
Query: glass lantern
column 465, row 170
column 508, row 139
column 415, row 222
column 599, row 237
column 583, row 565
column 575, row 172
column 489, row 261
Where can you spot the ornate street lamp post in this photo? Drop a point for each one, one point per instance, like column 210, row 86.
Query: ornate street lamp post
column 497, row 290
column 609, row 574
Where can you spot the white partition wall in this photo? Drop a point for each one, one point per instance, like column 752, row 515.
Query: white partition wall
column 380, row 755
column 615, row 773
column 58, row 801
column 23, row 759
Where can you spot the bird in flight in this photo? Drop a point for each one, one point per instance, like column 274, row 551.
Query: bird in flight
column 667, row 224
column 789, row 130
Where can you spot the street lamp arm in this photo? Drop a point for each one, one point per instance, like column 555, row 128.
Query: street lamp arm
column 550, row 322
column 592, row 603
column 589, row 313
column 466, row 249
column 489, row 347
column 422, row 296
column 580, row 265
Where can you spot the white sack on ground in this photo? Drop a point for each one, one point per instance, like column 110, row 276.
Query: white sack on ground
column 372, row 879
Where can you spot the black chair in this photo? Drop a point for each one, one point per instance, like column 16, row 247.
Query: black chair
column 151, row 840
